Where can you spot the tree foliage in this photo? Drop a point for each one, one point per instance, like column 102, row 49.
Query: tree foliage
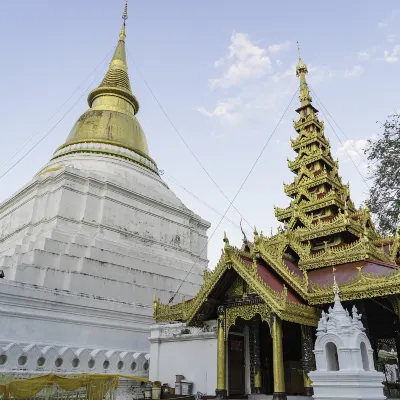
column 384, row 156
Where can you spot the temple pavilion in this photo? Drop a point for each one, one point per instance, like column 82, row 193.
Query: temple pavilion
column 276, row 286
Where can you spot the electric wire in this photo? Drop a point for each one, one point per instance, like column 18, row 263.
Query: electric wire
column 341, row 130
column 182, row 138
column 29, row 139
column 174, row 181
column 236, row 195
column 341, row 142
column 49, row 131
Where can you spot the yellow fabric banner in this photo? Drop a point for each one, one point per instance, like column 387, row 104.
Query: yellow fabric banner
column 97, row 385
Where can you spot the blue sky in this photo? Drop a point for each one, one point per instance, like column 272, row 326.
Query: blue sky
column 223, row 72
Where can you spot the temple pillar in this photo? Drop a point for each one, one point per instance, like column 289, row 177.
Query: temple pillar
column 221, row 356
column 255, row 338
column 308, row 360
column 277, row 354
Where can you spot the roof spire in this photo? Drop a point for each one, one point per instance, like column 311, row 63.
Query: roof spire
column 122, row 35
column 117, row 75
column 301, row 72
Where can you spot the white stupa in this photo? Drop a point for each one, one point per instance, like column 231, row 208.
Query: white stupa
column 90, row 240
column 344, row 358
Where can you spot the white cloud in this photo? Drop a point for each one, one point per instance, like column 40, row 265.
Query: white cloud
column 277, row 48
column 225, row 110
column 393, row 55
column 391, row 37
column 352, row 150
column 318, row 74
column 245, row 60
column 256, row 87
column 354, row 72
column 389, row 20
column 363, row 56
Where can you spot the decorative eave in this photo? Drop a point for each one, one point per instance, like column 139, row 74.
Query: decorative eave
column 298, row 163
column 308, row 183
column 340, row 223
column 272, row 251
column 307, row 139
column 277, row 302
column 303, row 122
column 361, row 286
column 361, row 249
column 316, row 201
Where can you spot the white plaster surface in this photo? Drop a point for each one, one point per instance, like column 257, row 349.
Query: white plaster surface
column 344, row 358
column 85, row 246
column 179, row 350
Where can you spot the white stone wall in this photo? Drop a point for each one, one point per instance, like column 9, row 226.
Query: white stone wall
column 176, row 349
column 85, row 247
column 120, row 234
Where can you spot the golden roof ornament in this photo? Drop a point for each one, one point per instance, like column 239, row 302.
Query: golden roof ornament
column 122, row 35
column 336, row 289
column 226, row 240
column 301, row 68
column 111, row 120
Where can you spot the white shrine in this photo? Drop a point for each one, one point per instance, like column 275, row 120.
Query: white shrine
column 344, row 358
column 89, row 241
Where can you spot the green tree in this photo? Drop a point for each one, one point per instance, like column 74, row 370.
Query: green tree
column 383, row 154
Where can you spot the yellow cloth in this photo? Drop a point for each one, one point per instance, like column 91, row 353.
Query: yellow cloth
column 97, row 386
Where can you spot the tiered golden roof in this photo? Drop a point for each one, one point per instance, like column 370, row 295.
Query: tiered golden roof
column 322, row 228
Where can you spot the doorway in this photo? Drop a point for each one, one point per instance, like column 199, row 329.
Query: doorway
column 236, row 365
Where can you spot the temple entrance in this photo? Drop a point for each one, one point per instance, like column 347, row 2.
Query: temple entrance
column 236, row 361
column 294, row 381
column 266, row 359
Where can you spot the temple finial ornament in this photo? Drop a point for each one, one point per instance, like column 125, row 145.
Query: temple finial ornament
column 336, row 289
column 226, row 240
column 245, row 241
column 298, row 48
column 122, row 35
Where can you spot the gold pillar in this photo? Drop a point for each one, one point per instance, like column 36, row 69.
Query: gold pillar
column 308, row 389
column 277, row 354
column 221, row 357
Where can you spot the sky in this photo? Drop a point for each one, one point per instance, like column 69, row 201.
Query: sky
column 223, row 72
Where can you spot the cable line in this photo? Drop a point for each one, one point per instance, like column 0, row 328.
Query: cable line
column 182, row 138
column 341, row 130
column 51, row 130
column 173, row 180
column 29, row 139
column 341, row 142
column 236, row 195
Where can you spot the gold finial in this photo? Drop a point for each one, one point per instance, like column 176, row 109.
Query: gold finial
column 122, row 35
column 125, row 14
column 298, row 48
column 226, row 240
column 336, row 289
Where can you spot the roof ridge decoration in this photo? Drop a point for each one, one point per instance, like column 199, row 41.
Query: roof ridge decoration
column 276, row 301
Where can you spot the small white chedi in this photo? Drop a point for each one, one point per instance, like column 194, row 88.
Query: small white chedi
column 344, row 357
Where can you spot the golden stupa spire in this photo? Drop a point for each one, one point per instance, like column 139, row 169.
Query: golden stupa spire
column 122, row 35
column 301, row 72
column 110, row 122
